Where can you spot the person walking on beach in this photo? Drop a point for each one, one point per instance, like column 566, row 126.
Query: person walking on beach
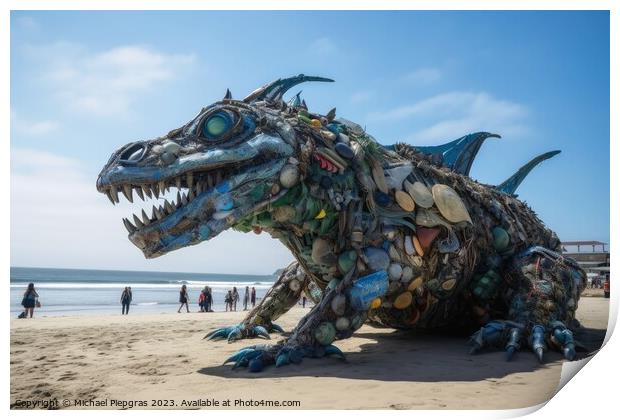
column 303, row 300
column 228, row 300
column 202, row 299
column 235, row 296
column 30, row 300
column 209, row 299
column 253, row 297
column 183, row 298
column 126, row 300
column 246, row 298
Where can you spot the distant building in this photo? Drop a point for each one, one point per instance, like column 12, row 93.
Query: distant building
column 595, row 262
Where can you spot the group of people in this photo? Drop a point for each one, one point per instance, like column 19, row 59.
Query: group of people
column 30, row 300
column 232, row 297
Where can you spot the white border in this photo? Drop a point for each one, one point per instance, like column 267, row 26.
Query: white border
column 591, row 394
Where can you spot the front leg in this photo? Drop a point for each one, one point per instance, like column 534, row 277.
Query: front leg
column 342, row 310
column 279, row 299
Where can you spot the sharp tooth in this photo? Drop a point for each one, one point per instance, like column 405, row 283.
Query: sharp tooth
column 198, row 188
column 127, row 192
column 139, row 192
column 218, row 177
column 154, row 217
column 147, row 191
column 190, row 180
column 209, row 181
column 184, row 199
column 158, row 213
column 162, row 187
column 156, row 190
column 162, row 211
column 178, row 199
column 109, row 194
column 130, row 228
column 190, row 195
column 138, row 222
column 114, row 193
column 178, row 182
column 145, row 218
column 168, row 207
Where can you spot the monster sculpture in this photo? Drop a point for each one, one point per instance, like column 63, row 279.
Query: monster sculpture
column 397, row 236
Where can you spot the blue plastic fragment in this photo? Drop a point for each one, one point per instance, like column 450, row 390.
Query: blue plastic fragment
column 368, row 288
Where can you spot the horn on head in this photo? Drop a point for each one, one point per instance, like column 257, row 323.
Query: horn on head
column 275, row 90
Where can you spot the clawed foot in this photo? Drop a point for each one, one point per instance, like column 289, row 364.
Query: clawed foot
column 511, row 335
column 256, row 358
column 238, row 332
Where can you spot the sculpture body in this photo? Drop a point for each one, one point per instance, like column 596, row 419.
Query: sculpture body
column 398, row 236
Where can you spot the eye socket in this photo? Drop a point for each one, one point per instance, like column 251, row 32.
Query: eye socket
column 216, row 125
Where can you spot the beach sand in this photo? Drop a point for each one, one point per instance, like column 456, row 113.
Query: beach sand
column 146, row 357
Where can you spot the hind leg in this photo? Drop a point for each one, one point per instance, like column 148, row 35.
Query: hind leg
column 544, row 288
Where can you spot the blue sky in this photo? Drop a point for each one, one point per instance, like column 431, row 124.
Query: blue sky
column 84, row 83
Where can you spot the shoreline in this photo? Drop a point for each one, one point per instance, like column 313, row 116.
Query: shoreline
column 145, row 357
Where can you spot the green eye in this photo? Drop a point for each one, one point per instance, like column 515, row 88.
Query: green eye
column 216, row 125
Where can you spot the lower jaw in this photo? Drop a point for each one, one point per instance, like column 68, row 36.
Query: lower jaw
column 164, row 241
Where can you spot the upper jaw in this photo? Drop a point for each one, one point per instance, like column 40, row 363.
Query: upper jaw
column 201, row 178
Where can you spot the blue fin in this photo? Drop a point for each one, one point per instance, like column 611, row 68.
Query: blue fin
column 459, row 154
column 510, row 185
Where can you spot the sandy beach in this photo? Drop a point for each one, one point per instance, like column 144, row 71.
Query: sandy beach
column 163, row 357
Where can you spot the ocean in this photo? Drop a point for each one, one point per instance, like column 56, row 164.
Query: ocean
column 98, row 292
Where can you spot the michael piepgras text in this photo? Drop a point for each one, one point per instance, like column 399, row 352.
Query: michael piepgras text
column 155, row 403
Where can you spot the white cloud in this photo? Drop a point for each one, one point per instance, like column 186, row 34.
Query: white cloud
column 27, row 23
column 323, row 46
column 423, row 76
column 456, row 113
column 31, row 128
column 58, row 219
column 362, row 96
column 105, row 82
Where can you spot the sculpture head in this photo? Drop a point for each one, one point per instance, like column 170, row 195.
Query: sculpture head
column 225, row 165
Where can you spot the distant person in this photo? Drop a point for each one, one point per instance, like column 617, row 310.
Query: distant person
column 126, row 300
column 253, row 297
column 183, row 298
column 202, row 300
column 228, row 300
column 246, row 298
column 30, row 300
column 303, row 300
column 235, row 297
column 209, row 298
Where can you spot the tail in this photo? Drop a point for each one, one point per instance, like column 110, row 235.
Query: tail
column 510, row 185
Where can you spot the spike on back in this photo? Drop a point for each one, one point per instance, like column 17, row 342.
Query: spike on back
column 458, row 155
column 510, row 185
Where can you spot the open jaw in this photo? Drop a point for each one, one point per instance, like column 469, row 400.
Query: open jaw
column 207, row 202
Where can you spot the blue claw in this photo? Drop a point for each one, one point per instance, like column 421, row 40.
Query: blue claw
column 333, row 350
column 537, row 342
column 256, row 364
column 218, row 333
column 564, row 337
column 277, row 328
column 514, row 342
column 261, row 332
column 237, row 356
column 282, row 359
column 234, row 334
